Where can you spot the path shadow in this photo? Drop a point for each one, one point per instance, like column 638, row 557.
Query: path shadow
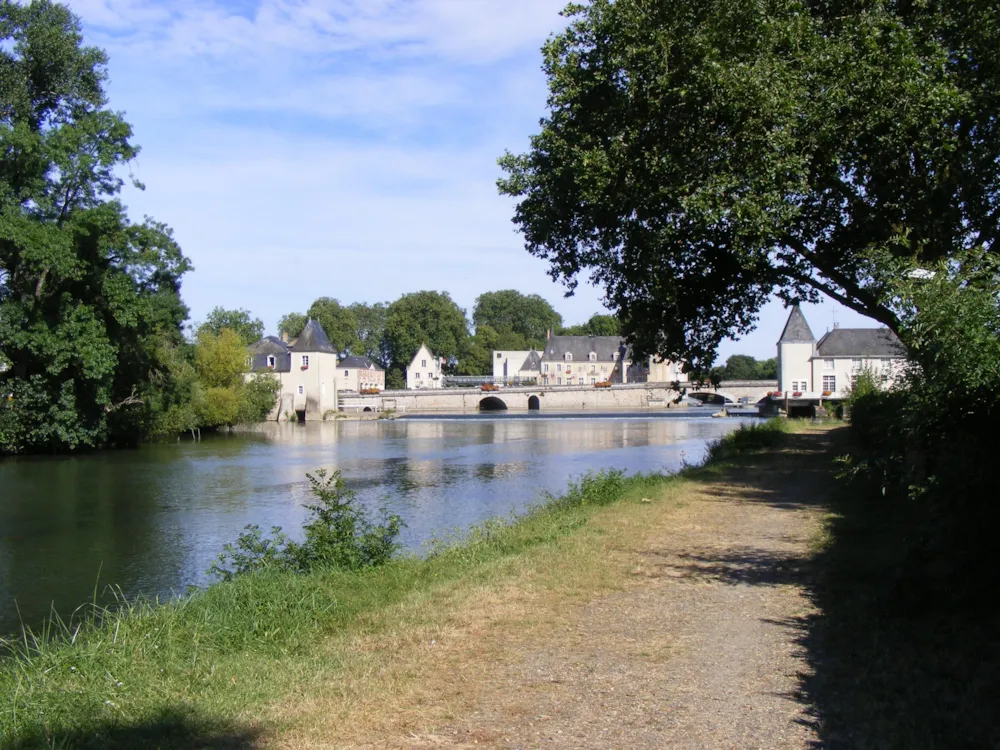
column 170, row 730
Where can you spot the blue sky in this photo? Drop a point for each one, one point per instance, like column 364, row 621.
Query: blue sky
column 346, row 148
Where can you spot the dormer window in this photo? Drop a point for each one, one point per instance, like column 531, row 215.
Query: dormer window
column 593, row 356
column 568, row 356
column 614, row 356
column 270, row 361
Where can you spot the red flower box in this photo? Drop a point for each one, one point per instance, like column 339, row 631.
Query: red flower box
column 797, row 394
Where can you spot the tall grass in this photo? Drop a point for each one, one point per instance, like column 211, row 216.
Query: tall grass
column 748, row 438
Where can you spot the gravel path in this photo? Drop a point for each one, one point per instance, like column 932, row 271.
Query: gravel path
column 700, row 653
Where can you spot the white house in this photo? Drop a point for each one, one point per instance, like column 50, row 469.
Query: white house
column 830, row 365
column 357, row 374
column 306, row 369
column 508, row 365
column 424, row 370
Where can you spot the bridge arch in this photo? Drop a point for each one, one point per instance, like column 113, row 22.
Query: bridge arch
column 492, row 403
column 534, row 403
column 719, row 398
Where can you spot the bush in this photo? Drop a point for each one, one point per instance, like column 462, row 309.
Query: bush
column 339, row 534
column 749, row 438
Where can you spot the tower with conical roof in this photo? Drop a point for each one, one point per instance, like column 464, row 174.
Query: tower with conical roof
column 796, row 348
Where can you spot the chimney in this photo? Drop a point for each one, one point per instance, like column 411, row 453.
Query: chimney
column 836, row 326
column 284, row 337
column 548, row 334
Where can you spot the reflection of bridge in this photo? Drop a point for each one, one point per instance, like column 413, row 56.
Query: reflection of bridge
column 550, row 398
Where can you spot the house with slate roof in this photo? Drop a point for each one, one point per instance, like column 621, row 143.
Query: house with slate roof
column 830, row 364
column 511, row 365
column 306, row 367
column 359, row 373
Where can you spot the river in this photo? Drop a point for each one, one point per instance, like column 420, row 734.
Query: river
column 153, row 520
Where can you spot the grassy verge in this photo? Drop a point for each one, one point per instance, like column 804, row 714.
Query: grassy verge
column 888, row 672
column 233, row 663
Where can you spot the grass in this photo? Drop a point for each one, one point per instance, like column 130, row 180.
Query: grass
column 270, row 653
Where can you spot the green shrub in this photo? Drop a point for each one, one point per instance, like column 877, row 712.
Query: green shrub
column 339, row 534
column 748, row 438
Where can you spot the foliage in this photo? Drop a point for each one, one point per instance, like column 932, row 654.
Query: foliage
column 430, row 318
column 370, row 331
column 699, row 155
column 745, row 367
column 928, row 441
column 292, row 324
column 249, row 329
column 217, row 407
column 88, row 300
column 527, row 316
column 220, row 360
column 597, row 325
column 258, row 395
column 749, row 438
column 339, row 534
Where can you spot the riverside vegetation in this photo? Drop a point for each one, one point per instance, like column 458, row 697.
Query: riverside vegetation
column 163, row 674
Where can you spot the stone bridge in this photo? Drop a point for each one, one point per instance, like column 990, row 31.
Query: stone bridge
column 733, row 391
column 548, row 398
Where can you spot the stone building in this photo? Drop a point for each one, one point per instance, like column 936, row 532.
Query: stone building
column 584, row 360
column 306, row 368
column 359, row 373
column 829, row 366
column 510, row 366
column 424, row 370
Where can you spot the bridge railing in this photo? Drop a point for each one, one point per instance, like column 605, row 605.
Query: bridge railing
column 475, row 381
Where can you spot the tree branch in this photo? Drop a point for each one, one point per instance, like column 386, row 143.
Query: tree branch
column 130, row 401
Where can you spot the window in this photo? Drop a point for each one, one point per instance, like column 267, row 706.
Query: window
column 499, row 355
column 270, row 360
column 302, row 389
column 347, row 373
column 305, row 360
column 614, row 356
column 593, row 356
column 800, row 385
column 249, row 362
column 593, row 380
column 558, row 381
column 604, row 368
column 423, row 363
column 855, row 365
column 568, row 356
column 545, row 368
column 417, row 376
column 827, row 364
column 830, row 383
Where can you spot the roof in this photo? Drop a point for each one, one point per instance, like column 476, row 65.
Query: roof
column 269, row 345
column 796, row 329
column 532, row 362
column 417, row 354
column 860, row 342
column 581, row 347
column 358, row 363
column 313, row 339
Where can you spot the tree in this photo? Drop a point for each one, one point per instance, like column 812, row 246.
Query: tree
column 509, row 312
column 220, row 361
column 700, row 155
column 741, row 367
column 292, row 324
column 89, row 302
column 597, row 325
column 249, row 329
column 768, row 369
column 430, row 318
column 338, row 322
column 369, row 330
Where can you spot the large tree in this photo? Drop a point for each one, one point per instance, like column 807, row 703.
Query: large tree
column 369, row 321
column 338, row 322
column 700, row 155
column 248, row 328
column 508, row 311
column 430, row 318
column 90, row 309
column 596, row 325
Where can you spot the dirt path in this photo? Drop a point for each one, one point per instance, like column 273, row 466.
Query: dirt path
column 698, row 651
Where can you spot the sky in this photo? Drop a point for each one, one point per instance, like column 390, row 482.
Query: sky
column 343, row 148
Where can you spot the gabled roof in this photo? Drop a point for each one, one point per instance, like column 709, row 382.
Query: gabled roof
column 417, row 354
column 269, row 345
column 581, row 347
column 313, row 339
column 358, row 363
column 860, row 342
column 533, row 362
column 796, row 329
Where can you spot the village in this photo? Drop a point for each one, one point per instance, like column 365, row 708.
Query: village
column 317, row 383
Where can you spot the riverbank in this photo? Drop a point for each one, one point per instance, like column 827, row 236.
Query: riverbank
column 231, row 659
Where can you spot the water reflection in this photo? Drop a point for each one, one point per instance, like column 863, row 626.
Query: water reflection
column 154, row 519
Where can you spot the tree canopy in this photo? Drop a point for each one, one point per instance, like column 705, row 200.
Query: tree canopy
column 701, row 155
column 430, row 318
column 528, row 316
column 597, row 325
column 90, row 307
column 248, row 328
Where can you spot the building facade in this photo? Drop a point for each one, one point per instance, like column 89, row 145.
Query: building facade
column 519, row 365
column 830, row 365
column 584, row 360
column 424, row 370
column 306, row 369
column 359, row 374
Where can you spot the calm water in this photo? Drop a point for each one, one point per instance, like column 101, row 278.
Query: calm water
column 153, row 520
